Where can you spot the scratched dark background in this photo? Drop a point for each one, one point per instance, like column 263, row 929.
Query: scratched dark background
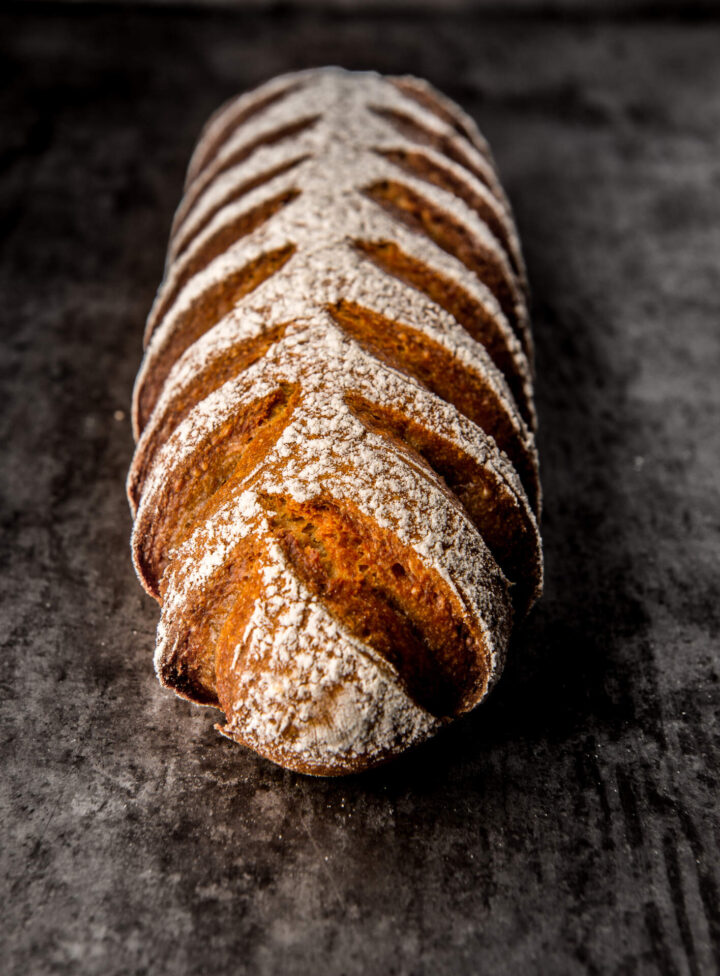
column 570, row 825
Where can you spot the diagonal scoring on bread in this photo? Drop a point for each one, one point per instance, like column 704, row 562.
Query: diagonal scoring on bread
column 205, row 311
column 497, row 512
column 218, row 371
column 383, row 595
column 477, row 321
column 190, row 665
column 337, row 695
column 229, row 451
column 335, row 486
column 423, row 134
column 217, row 243
column 468, row 390
column 228, row 119
column 184, row 237
column 420, row 164
column 452, row 236
column 200, row 184
column 420, row 92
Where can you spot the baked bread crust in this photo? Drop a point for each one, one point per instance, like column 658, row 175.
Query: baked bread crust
column 335, row 485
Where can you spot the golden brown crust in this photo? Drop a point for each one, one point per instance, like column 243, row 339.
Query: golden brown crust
column 199, row 185
column 219, row 242
column 233, row 361
column 423, row 94
column 467, row 389
column 416, row 132
column 199, row 317
column 467, row 310
column 419, row 164
column 506, row 527
column 449, row 234
column 231, row 451
column 336, row 487
column 382, row 594
column 232, row 121
column 184, row 237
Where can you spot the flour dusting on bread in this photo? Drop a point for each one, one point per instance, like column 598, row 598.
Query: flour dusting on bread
column 335, row 484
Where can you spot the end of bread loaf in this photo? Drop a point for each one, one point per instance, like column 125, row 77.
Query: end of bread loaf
column 301, row 691
column 335, row 486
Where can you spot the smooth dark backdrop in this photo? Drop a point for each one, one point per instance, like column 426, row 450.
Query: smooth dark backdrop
column 570, row 825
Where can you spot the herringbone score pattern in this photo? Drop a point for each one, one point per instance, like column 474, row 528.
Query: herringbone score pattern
column 335, row 484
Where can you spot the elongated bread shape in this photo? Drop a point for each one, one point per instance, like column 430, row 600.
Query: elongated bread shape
column 335, row 485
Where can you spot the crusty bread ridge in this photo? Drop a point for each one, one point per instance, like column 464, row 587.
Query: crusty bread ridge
column 335, row 485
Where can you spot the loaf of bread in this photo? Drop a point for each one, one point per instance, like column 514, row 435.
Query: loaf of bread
column 335, row 486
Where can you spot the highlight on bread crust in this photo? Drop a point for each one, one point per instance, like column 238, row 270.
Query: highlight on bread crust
column 335, row 486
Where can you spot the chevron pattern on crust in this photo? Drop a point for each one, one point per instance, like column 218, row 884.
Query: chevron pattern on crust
column 335, row 485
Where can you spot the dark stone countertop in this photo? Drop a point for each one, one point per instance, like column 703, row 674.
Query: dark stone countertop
column 570, row 825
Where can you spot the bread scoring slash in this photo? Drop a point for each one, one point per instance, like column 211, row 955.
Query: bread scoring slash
column 335, row 486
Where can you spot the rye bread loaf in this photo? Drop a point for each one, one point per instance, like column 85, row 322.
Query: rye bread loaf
column 335, row 485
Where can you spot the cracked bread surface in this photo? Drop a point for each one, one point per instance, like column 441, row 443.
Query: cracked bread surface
column 335, row 485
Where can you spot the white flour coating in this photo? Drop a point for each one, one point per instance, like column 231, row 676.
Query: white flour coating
column 291, row 361
column 288, row 298
column 307, row 691
column 325, row 449
column 347, row 107
column 261, row 166
column 342, row 143
column 331, row 695
column 305, row 687
column 481, row 190
column 465, row 121
column 321, row 272
column 231, row 111
column 324, row 433
column 350, row 368
column 267, row 159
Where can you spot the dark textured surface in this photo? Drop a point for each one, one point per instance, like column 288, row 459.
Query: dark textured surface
column 569, row 826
